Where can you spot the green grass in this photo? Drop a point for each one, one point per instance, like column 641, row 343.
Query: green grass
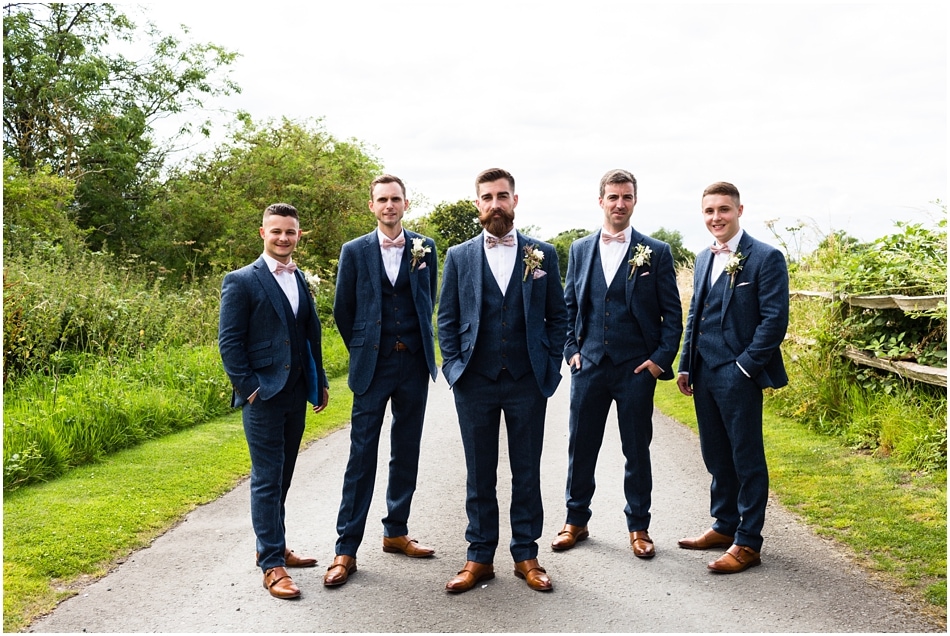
column 892, row 520
column 58, row 534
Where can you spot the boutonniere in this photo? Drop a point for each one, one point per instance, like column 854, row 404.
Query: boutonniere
column 313, row 282
column 533, row 258
column 641, row 257
column 733, row 267
column 418, row 252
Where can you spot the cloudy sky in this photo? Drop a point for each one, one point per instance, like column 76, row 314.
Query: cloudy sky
column 830, row 114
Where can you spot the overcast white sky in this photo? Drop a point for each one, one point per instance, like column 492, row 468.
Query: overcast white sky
column 834, row 114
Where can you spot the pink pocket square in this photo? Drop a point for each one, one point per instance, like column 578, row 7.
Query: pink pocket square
column 422, row 265
column 645, row 274
column 538, row 273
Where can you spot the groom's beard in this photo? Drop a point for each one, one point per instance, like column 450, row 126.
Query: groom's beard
column 498, row 222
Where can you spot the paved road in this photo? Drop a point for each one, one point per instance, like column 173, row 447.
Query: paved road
column 200, row 576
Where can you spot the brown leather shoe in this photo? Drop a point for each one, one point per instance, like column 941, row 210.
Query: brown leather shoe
column 534, row 575
column 406, row 545
column 291, row 560
column 469, row 576
column 642, row 544
column 568, row 537
column 279, row 583
column 709, row 539
column 738, row 558
column 341, row 569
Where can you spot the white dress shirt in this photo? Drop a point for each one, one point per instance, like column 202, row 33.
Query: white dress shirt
column 613, row 254
column 287, row 282
column 720, row 260
column 392, row 257
column 501, row 259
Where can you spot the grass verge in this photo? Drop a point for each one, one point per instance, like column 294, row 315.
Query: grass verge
column 59, row 534
column 892, row 520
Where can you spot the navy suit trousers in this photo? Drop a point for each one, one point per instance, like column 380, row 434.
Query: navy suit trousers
column 273, row 429
column 401, row 380
column 480, row 403
column 729, row 415
column 593, row 388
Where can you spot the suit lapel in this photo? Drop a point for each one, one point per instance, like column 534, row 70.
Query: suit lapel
column 635, row 240
column 528, row 283
column 271, row 289
column 745, row 246
column 407, row 258
column 586, row 251
column 374, row 262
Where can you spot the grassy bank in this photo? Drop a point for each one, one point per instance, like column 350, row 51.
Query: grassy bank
column 890, row 519
column 59, row 534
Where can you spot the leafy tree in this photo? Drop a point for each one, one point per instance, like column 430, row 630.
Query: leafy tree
column 38, row 212
column 210, row 212
column 682, row 257
column 562, row 245
column 454, row 223
column 71, row 101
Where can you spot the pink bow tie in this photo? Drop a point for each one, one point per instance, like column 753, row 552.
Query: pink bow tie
column 720, row 250
column 507, row 240
column 285, row 268
column 389, row 243
column 607, row 237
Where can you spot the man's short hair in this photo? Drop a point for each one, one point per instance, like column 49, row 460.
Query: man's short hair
column 724, row 188
column 494, row 174
column 387, row 178
column 281, row 209
column 618, row 176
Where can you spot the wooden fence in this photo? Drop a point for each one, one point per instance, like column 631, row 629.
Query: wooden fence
column 911, row 370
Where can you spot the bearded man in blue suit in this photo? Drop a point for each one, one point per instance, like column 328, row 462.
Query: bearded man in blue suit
column 624, row 326
column 737, row 321
column 502, row 323
column 385, row 292
column 270, row 344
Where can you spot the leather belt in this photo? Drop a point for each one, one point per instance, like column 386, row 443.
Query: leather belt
column 400, row 347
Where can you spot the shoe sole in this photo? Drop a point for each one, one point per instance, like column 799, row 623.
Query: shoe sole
column 411, row 556
column 751, row 565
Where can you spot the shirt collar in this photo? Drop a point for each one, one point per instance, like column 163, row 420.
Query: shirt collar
column 380, row 236
column 733, row 243
column 272, row 262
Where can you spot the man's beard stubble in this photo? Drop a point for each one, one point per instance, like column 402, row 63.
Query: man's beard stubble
column 498, row 225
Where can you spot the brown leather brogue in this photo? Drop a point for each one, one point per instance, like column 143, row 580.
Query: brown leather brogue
column 737, row 559
column 642, row 544
column 568, row 537
column 534, row 575
column 340, row 570
column 708, row 540
column 469, row 576
column 291, row 560
column 406, row 545
column 279, row 583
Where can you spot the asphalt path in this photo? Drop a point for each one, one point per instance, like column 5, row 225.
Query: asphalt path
column 200, row 576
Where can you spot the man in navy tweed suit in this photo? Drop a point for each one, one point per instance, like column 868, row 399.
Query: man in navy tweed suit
column 624, row 326
column 269, row 339
column 736, row 323
column 502, row 323
column 385, row 293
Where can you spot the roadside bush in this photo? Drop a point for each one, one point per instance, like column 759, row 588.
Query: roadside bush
column 52, row 424
column 870, row 409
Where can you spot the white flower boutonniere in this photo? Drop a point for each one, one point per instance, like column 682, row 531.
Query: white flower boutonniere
column 533, row 257
column 641, row 257
column 418, row 252
column 733, row 267
column 313, row 282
